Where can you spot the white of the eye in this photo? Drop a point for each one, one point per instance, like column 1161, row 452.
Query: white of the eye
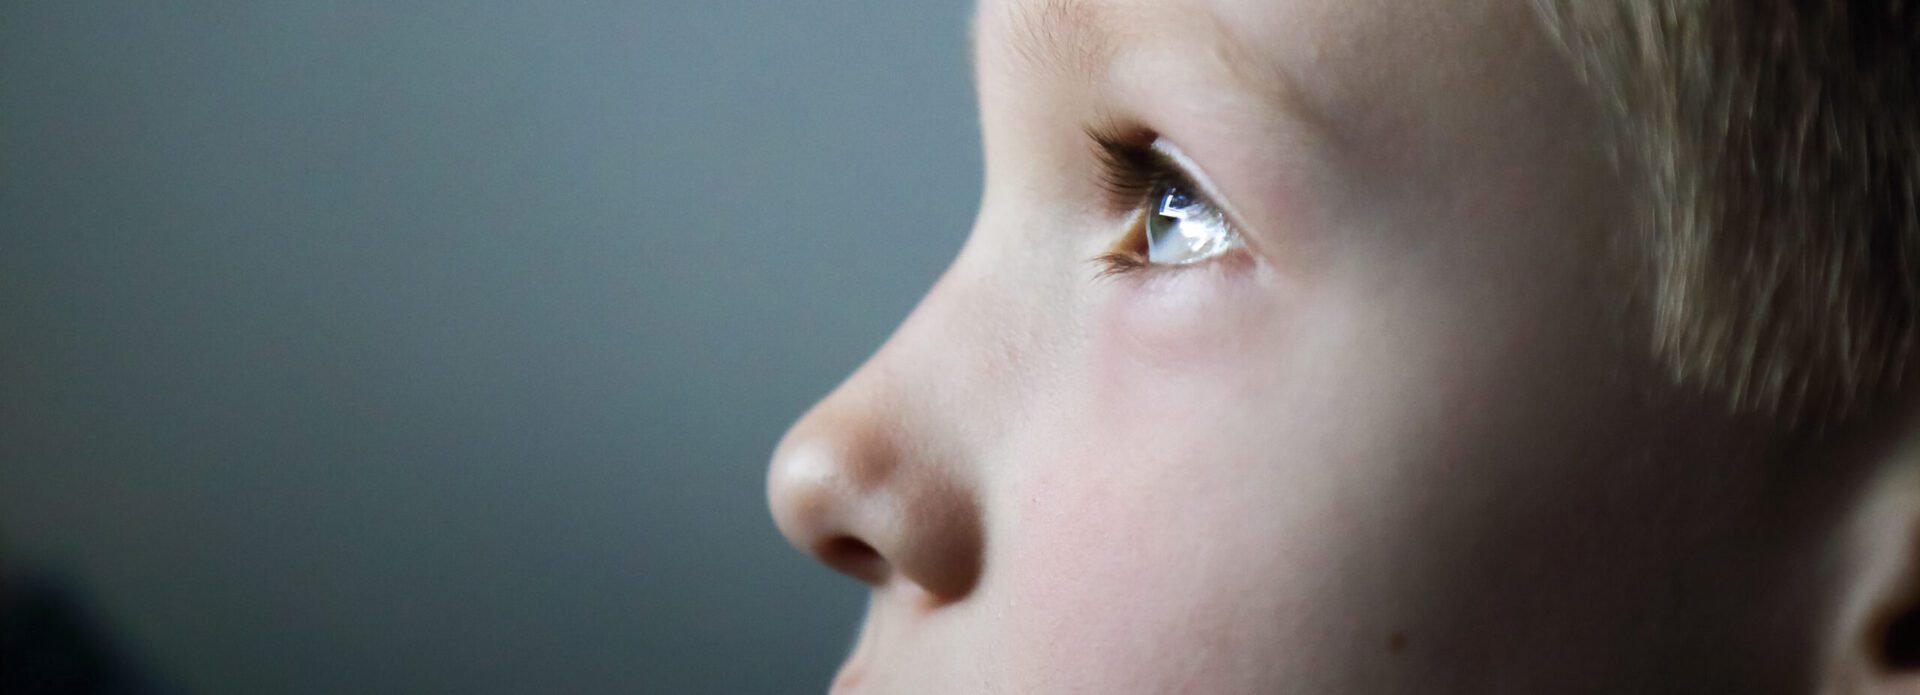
column 1182, row 229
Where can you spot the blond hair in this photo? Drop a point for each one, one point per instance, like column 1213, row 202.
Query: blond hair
column 1773, row 148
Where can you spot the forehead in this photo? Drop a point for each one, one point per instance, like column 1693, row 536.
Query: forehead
column 1298, row 55
column 1352, row 70
column 1153, row 49
column 1072, row 30
column 1080, row 37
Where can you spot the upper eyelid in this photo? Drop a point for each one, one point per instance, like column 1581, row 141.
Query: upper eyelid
column 1189, row 173
column 1130, row 169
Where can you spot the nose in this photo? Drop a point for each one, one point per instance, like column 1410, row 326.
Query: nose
column 854, row 485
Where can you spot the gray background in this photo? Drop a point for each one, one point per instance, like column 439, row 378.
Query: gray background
column 438, row 346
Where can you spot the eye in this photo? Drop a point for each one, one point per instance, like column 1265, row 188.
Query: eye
column 1181, row 227
column 1173, row 222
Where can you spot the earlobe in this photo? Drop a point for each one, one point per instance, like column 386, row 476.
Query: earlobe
column 1886, row 649
column 1876, row 650
column 1898, row 639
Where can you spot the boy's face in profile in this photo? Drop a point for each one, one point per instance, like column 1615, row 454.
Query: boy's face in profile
column 1394, row 433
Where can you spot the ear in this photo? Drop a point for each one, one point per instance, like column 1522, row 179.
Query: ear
column 1875, row 649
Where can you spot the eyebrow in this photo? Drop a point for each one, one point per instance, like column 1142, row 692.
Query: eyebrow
column 1079, row 38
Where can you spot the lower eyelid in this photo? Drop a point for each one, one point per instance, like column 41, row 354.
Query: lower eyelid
column 1123, row 266
column 1187, row 319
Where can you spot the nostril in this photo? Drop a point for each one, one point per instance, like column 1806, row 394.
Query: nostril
column 853, row 557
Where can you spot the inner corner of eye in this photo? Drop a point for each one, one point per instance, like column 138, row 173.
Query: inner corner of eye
column 1133, row 240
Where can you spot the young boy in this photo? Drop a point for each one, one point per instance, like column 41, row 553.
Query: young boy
column 1370, row 346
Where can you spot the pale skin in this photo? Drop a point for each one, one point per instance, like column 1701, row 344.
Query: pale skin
column 1407, row 438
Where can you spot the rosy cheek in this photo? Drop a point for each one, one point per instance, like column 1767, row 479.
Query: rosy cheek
column 1109, row 536
column 1101, row 567
column 1093, row 574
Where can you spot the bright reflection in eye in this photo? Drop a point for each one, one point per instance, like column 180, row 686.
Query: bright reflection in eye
column 1183, row 227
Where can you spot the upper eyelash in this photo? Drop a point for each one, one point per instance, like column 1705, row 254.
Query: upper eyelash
column 1126, row 168
column 1131, row 170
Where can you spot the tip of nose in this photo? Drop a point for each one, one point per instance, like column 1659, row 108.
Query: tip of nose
column 806, row 493
column 804, row 490
column 841, row 495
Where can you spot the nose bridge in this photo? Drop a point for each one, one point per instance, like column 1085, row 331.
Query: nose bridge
column 869, row 482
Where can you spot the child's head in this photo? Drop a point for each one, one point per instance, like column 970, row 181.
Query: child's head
column 1346, row 346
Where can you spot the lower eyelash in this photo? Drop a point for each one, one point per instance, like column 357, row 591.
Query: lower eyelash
column 1114, row 263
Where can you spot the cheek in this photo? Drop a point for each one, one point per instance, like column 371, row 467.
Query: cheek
column 1129, row 579
column 1143, row 526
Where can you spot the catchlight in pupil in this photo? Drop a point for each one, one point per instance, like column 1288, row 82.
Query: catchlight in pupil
column 1183, row 228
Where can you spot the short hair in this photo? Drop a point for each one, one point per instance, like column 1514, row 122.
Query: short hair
column 1772, row 149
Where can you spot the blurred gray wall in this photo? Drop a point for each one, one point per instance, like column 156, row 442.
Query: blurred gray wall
column 438, row 346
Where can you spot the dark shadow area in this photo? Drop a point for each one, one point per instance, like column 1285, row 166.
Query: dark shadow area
column 53, row 643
